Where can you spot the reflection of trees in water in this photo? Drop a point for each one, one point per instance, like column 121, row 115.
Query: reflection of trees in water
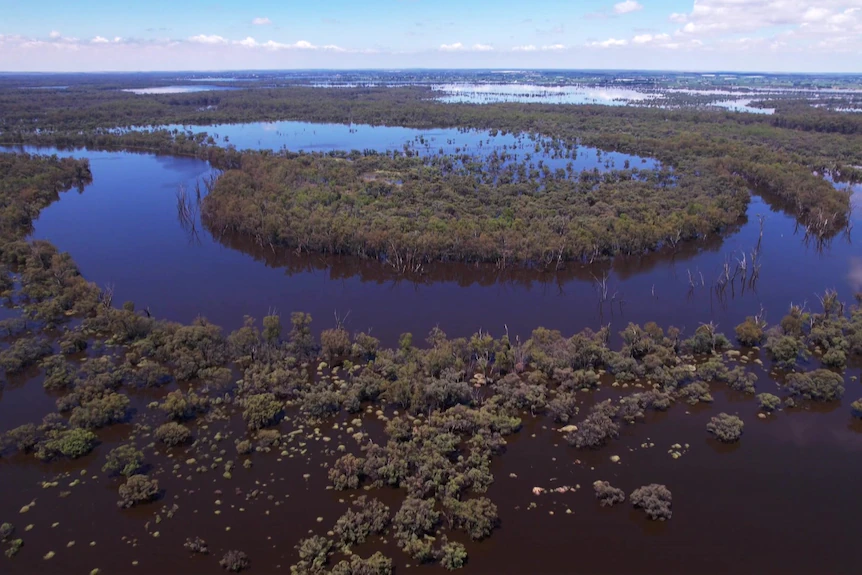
column 341, row 267
column 854, row 275
column 188, row 210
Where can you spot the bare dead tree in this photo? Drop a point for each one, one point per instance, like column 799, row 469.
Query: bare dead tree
column 601, row 286
column 107, row 296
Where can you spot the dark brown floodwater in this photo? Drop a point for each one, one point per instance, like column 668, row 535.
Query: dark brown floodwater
column 784, row 500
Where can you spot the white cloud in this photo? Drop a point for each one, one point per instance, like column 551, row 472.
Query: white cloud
column 650, row 38
column 609, row 43
column 527, row 48
column 99, row 40
column 205, row 39
column 451, row 47
column 723, row 17
column 627, row 6
column 54, row 34
column 250, row 42
column 482, row 48
column 264, row 21
column 553, row 47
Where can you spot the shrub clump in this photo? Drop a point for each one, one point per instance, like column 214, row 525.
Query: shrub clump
column 750, row 332
column 725, row 428
column 179, row 406
column 368, row 517
column 313, row 553
column 261, row 410
column 377, row 564
column 234, row 561
column 768, row 402
column 856, row 408
column 197, row 545
column 818, row 385
column 71, row 443
column 655, row 499
column 453, row 555
column 596, row 429
column 608, row 495
column 6, row 531
column 123, row 460
column 138, row 489
column 101, row 411
column 173, row 434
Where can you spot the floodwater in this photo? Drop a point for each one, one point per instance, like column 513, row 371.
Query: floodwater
column 785, row 499
column 175, row 89
column 497, row 93
column 123, row 230
column 310, row 137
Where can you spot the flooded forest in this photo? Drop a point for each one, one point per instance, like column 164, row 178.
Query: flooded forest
column 374, row 323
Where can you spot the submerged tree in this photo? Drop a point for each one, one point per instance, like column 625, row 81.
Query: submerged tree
column 655, row 499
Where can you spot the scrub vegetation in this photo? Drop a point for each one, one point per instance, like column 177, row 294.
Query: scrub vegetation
column 418, row 426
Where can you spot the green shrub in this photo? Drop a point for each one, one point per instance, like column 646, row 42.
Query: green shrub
column 123, row 460
column 138, row 489
column 818, row 385
column 71, row 443
column 655, row 499
column 768, row 401
column 453, row 555
column 173, row 434
column 725, row 428
column 261, row 410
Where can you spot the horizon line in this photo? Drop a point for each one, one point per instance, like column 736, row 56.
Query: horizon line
column 450, row 69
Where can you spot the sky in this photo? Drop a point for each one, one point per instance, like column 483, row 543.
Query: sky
column 154, row 35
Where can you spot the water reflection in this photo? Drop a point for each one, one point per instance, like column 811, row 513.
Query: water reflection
column 174, row 89
column 124, row 230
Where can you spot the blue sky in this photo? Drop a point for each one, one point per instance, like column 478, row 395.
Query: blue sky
column 763, row 35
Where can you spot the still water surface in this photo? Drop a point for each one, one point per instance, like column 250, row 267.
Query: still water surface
column 782, row 500
column 123, row 230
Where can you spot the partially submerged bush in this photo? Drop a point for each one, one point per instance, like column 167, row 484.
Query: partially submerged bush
column 261, row 410
column 71, row 443
column 818, row 385
column 608, row 495
column 453, row 555
column 695, row 392
column 786, row 350
column 180, row 406
column 124, row 460
column 314, row 552
column 369, row 517
column 750, row 332
column 768, row 401
column 655, row 499
column 14, row 547
column 197, row 545
column 138, row 489
column 476, row 517
column 101, row 411
column 725, row 428
column 856, row 408
column 173, row 434
column 59, row 374
column 346, row 472
column 377, row 564
column 234, row 561
column 23, row 353
column 597, row 428
column 415, row 519
column 6, row 531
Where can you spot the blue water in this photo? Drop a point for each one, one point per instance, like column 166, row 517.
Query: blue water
column 175, row 89
column 310, row 137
